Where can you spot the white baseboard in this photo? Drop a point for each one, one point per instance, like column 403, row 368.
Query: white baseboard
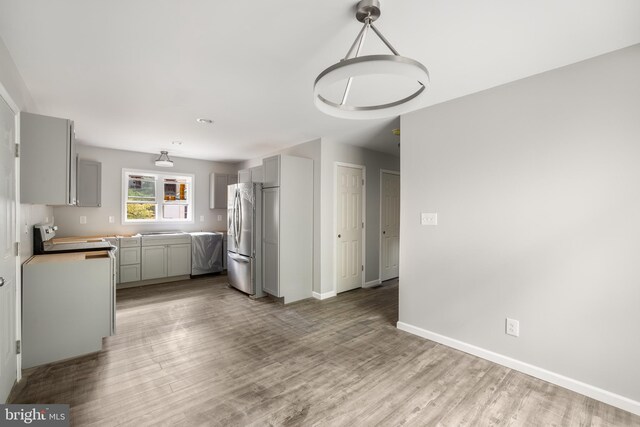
column 543, row 374
column 372, row 283
column 325, row 295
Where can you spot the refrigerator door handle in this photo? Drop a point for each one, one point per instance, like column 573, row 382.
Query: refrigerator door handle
column 239, row 217
column 237, row 213
column 238, row 258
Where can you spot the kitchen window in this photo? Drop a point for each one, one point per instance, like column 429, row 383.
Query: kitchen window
column 151, row 197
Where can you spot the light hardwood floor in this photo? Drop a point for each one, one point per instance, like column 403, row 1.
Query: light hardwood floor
column 198, row 353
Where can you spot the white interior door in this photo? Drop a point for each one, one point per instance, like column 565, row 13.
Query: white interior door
column 7, row 251
column 390, row 224
column 349, row 228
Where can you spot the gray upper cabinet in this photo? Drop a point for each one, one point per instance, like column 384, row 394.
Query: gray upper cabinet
column 47, row 160
column 218, row 189
column 244, row 175
column 271, row 171
column 89, row 183
column 254, row 174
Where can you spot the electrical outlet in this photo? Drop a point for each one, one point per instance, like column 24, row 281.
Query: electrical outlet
column 219, row 217
column 201, row 218
column 112, row 219
column 46, row 219
column 83, row 219
column 512, row 327
column 429, row 219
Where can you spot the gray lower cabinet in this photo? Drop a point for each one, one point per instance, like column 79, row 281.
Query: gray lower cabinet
column 178, row 260
column 67, row 306
column 129, row 273
column 129, row 257
column 154, row 262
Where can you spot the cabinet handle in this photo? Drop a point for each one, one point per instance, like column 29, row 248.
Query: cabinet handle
column 1, row 282
column 339, row 236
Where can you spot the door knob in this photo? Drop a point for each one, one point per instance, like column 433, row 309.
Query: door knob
column 339, row 236
column 1, row 282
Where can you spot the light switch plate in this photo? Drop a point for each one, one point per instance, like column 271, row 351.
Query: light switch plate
column 201, row 218
column 83, row 219
column 429, row 218
column 112, row 219
column 219, row 217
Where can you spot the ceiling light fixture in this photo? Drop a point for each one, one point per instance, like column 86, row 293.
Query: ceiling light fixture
column 204, row 121
column 353, row 66
column 164, row 160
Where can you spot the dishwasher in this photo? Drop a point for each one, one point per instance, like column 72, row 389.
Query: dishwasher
column 206, row 253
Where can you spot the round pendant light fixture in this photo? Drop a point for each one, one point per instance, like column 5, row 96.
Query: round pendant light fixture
column 353, row 66
column 164, row 160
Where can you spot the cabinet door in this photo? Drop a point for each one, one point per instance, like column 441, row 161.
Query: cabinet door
column 154, row 262
column 129, row 256
column 257, row 174
column 89, row 183
column 47, row 160
column 244, row 175
column 73, row 166
column 129, row 273
column 271, row 240
column 271, row 171
column 179, row 260
column 219, row 196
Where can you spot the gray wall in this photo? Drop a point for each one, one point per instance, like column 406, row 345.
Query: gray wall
column 113, row 161
column 374, row 161
column 537, row 189
column 309, row 150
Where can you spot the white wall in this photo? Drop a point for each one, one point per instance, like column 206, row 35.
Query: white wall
column 113, row 161
column 537, row 189
column 16, row 89
column 333, row 152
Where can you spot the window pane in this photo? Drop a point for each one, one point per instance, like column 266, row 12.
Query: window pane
column 176, row 212
column 141, row 211
column 141, row 189
column 175, row 190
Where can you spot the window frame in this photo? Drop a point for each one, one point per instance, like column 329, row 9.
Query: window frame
column 159, row 199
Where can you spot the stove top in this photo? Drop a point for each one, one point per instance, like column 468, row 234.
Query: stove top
column 43, row 244
column 50, row 248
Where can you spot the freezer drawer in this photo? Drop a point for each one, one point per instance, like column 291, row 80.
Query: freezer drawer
column 240, row 272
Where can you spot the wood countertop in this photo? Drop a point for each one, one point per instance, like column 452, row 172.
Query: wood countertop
column 67, row 257
column 81, row 239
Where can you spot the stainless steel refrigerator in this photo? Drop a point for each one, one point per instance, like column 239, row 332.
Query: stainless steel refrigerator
column 244, row 259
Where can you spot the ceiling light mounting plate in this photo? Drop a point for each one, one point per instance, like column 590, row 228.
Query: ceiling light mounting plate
column 368, row 9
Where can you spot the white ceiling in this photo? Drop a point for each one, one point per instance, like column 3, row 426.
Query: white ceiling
column 135, row 74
